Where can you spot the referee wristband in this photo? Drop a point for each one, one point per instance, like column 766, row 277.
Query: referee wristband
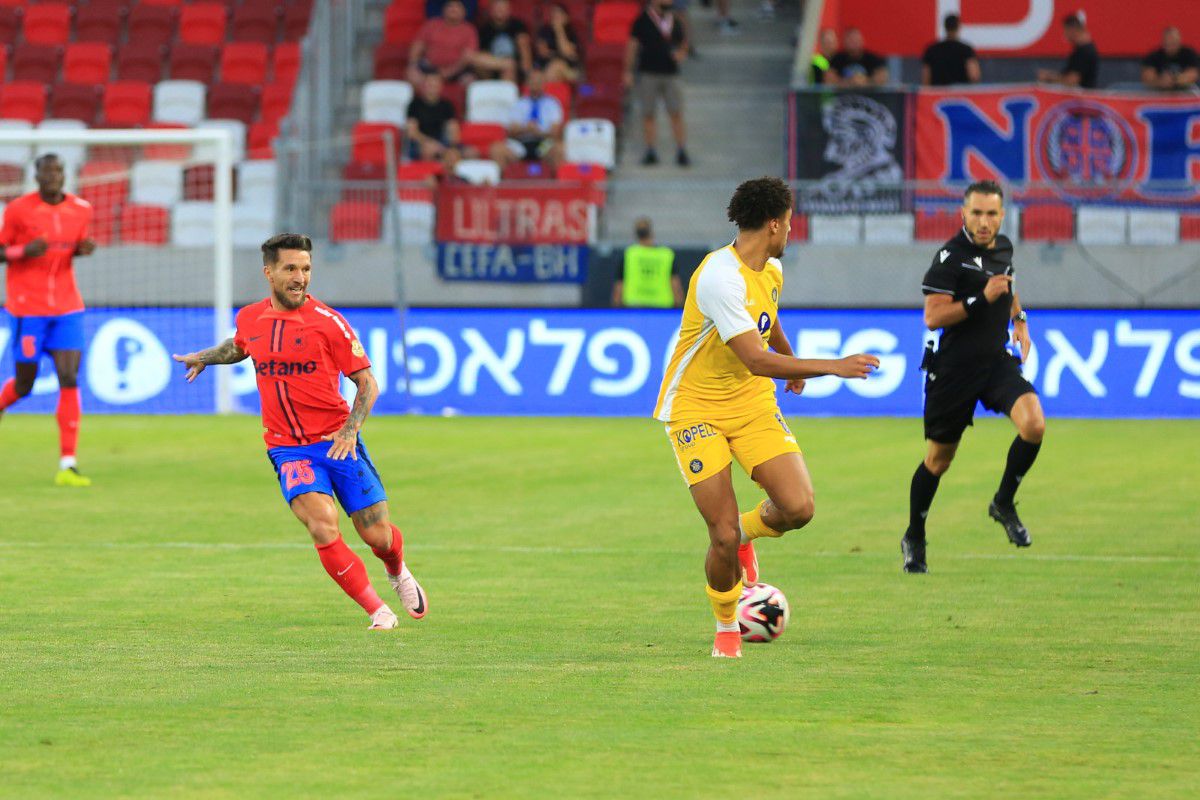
column 975, row 305
column 13, row 252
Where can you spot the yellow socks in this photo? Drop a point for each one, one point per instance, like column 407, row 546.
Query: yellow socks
column 724, row 605
column 754, row 527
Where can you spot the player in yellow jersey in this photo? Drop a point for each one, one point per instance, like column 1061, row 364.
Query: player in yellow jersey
column 718, row 400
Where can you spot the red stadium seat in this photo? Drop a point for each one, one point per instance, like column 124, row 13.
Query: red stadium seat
column 75, row 101
column 611, row 22
column 582, row 173
column 260, row 140
column 10, row 23
column 526, row 171
column 1189, row 227
column 285, row 63
column 560, row 91
column 47, row 24
column 166, row 152
column 354, row 220
column 402, row 20
column 100, row 21
column 199, row 182
column 140, row 62
column 152, row 24
column 244, row 62
column 481, row 135
column 936, row 225
column 296, row 14
column 36, row 62
column 1052, row 222
column 391, row 62
column 799, row 231
column 255, row 22
column 87, row 62
column 12, row 182
column 203, row 23
column 23, row 100
column 104, row 184
column 233, row 101
column 194, row 62
column 127, row 103
column 368, row 143
column 3, row 60
column 602, row 105
column 365, row 182
column 168, row 3
column 418, row 179
column 276, row 101
column 145, row 224
column 456, row 93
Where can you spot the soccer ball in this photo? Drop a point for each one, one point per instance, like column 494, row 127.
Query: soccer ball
column 762, row 613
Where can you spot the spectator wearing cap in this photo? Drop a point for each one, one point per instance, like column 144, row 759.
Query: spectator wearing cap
column 827, row 46
column 951, row 60
column 855, row 65
column 1172, row 66
column 444, row 45
column 1083, row 64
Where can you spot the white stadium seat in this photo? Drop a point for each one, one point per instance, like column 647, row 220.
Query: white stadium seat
column 15, row 153
column 491, row 101
column 888, row 229
column 192, row 224
column 1101, row 225
column 179, row 101
column 253, row 224
column 591, row 141
column 386, row 101
column 478, row 171
column 835, row 228
column 416, row 223
column 256, row 182
column 1153, row 227
column 156, row 182
column 1011, row 227
column 208, row 153
column 69, row 153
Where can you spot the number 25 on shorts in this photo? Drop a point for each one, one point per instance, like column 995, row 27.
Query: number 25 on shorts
column 297, row 472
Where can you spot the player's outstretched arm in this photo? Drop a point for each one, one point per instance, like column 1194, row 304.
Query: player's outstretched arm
column 345, row 440
column 748, row 348
column 227, row 352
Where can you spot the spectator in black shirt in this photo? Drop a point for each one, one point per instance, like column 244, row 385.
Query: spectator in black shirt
column 855, row 65
column 1083, row 65
column 1171, row 66
column 949, row 61
column 505, row 51
column 827, row 45
column 557, row 46
column 657, row 46
column 432, row 128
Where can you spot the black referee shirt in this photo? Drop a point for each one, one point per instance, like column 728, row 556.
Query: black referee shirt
column 961, row 269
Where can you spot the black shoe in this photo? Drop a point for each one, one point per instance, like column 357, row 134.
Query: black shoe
column 681, row 158
column 914, row 554
column 1017, row 533
column 650, row 159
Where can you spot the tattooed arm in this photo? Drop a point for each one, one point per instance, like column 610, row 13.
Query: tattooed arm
column 345, row 441
column 227, row 352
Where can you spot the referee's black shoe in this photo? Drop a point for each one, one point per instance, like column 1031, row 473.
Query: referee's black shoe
column 914, row 554
column 1018, row 534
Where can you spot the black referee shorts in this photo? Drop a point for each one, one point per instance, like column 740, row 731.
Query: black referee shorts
column 951, row 394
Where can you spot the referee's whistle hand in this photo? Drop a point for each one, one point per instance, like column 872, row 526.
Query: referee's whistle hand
column 997, row 286
column 859, row 365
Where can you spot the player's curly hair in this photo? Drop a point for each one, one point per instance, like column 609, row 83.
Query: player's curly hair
column 756, row 202
column 284, row 241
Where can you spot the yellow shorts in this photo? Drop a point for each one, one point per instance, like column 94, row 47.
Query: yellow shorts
column 705, row 448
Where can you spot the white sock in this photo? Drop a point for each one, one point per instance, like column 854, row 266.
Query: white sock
column 66, row 462
column 726, row 627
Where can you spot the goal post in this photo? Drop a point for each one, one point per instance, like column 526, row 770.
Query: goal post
column 163, row 203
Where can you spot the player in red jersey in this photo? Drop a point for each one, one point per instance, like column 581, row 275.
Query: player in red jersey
column 43, row 232
column 300, row 348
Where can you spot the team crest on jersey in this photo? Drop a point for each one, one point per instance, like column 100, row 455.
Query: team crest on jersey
column 357, row 349
column 764, row 322
column 297, row 342
column 696, row 466
column 774, row 294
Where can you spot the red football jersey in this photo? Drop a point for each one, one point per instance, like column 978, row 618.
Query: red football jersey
column 299, row 358
column 45, row 286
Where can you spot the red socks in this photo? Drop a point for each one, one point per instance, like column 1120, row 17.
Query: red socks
column 8, row 394
column 68, row 419
column 392, row 557
column 349, row 572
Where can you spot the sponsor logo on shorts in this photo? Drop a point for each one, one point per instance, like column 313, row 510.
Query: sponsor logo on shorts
column 276, row 369
column 782, row 424
column 697, row 466
column 687, row 437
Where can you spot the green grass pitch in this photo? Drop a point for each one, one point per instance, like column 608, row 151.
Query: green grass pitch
column 169, row 632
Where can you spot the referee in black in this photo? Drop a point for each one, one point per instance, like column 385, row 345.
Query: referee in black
column 969, row 294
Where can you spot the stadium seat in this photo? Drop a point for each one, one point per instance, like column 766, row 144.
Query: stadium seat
column 416, row 223
column 296, row 14
column 1153, row 227
column 456, row 93
column 237, row 132
column 10, row 23
column 601, row 102
column 563, row 93
column 156, row 182
column 3, row 61
column 12, row 182
column 491, row 101
column 244, row 62
column 364, row 181
column 585, row 173
column 799, row 231
column 47, row 24
column 481, row 135
column 1011, row 226
column 145, row 224
column 1048, row 223
column 353, row 220
column 591, row 141
column 479, row 171
column 87, row 62
column 100, row 21
column 835, row 228
column 260, row 139
column 255, row 22
column 194, row 62
column 233, row 101
column 140, row 62
column 888, row 229
column 936, row 224
column 23, row 100
column 75, row 101
column 612, row 22
column 127, row 103
column 1101, row 225
column 276, row 101
column 149, row 24
column 391, row 62
column 526, row 171
column 203, row 23
column 253, row 224
column 192, row 224
column 368, row 142
column 402, row 20
column 164, row 151
column 72, row 154
column 169, row 3
column 285, row 63
column 1189, row 227
column 104, row 184
column 36, row 62
column 418, row 179
column 199, row 182
column 179, row 101
column 256, row 182
column 18, row 154
column 386, row 101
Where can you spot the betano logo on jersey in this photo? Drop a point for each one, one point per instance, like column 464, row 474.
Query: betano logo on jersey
column 281, row 369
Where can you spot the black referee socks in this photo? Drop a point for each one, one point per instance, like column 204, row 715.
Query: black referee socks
column 920, row 498
column 1020, row 458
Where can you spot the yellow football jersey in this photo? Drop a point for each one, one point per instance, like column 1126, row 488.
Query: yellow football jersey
column 705, row 380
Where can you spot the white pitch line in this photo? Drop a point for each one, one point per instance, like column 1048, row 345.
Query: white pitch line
column 554, row 550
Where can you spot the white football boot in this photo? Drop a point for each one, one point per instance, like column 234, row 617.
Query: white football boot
column 411, row 595
column 384, row 619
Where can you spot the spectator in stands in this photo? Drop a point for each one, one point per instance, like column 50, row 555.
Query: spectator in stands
column 726, row 25
column 855, row 65
column 505, row 50
column 557, row 46
column 951, row 60
column 827, row 46
column 1083, row 65
column 649, row 278
column 1172, row 66
column 534, row 128
column 432, row 129
column 657, row 46
column 444, row 45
